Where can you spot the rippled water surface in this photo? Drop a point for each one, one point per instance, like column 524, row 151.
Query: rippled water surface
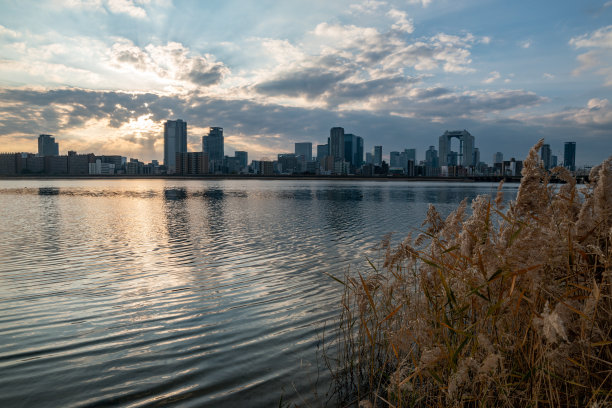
column 194, row 293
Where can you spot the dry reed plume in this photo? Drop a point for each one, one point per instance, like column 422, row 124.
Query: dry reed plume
column 504, row 307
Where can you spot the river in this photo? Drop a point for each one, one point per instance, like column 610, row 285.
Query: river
column 185, row 292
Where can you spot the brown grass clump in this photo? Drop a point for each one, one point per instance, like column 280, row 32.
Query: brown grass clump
column 504, row 307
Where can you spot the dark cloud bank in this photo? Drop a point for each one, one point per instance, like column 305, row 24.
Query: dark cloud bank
column 27, row 113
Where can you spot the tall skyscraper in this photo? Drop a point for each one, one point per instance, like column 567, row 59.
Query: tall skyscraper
column 358, row 159
column 353, row 149
column 394, row 159
column 304, row 149
column 545, row 155
column 431, row 161
column 466, row 148
column 243, row 158
column 377, row 153
column 322, row 151
column 498, row 158
column 47, row 146
column 213, row 145
column 175, row 141
column 476, row 157
column 336, row 143
column 569, row 156
column 410, row 154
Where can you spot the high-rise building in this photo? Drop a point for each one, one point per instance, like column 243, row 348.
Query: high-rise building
column 545, row 155
column 369, row 158
column 78, row 164
column 476, row 157
column 243, row 158
column 288, row 163
column 394, row 159
column 431, row 161
column 410, row 154
column 358, row 159
column 213, row 144
column 304, row 149
column 322, row 151
column 175, row 141
column 498, row 158
column 377, row 153
column 353, row 149
column 554, row 160
column 47, row 146
column 466, row 148
column 569, row 156
column 452, row 159
column 431, row 157
column 336, row 143
column 191, row 163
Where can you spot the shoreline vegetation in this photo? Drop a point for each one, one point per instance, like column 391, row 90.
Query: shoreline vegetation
column 509, row 306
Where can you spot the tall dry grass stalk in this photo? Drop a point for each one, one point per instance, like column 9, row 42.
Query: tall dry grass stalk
column 504, row 307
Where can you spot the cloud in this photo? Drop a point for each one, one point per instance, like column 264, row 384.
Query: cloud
column 171, row 61
column 441, row 103
column 82, row 4
column 309, row 82
column 353, row 67
column 493, row 76
column 601, row 38
column 426, row 93
column 402, row 23
column 599, row 58
column 130, row 7
column 126, row 7
column 525, row 44
column 597, row 113
column 423, row 3
column 368, row 6
column 546, row 75
column 8, row 33
column 110, row 122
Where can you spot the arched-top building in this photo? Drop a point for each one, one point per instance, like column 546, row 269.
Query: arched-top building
column 466, row 148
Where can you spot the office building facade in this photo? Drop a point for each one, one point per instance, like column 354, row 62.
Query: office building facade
column 336, row 143
column 322, row 151
column 498, row 158
column 377, row 153
column 243, row 159
column 569, row 156
column 410, row 154
column 304, row 149
column 213, row 144
column 466, row 148
column 175, row 141
column 47, row 146
column 546, row 156
column 353, row 149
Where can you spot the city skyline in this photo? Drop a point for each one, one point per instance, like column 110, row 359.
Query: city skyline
column 104, row 75
column 342, row 155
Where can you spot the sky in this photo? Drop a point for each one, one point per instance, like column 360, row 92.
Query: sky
column 103, row 76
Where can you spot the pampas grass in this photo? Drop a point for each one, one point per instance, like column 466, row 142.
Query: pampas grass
column 504, row 307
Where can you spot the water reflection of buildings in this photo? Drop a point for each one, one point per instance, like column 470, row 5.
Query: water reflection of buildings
column 178, row 225
column 50, row 219
column 195, row 222
column 342, row 208
column 214, row 199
